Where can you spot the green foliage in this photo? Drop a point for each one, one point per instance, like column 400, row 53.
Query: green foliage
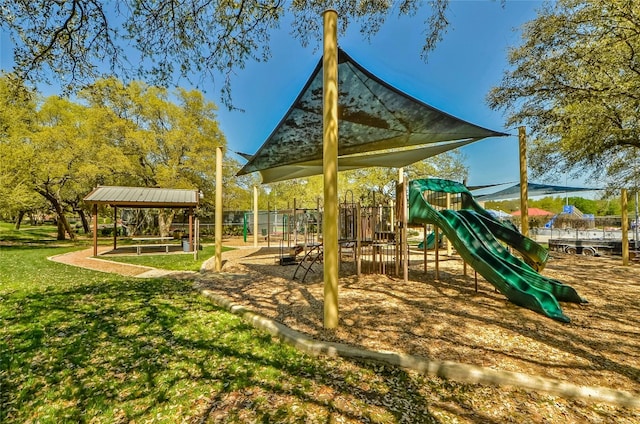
column 600, row 207
column 174, row 40
column 573, row 81
column 17, row 106
column 363, row 184
column 165, row 140
column 58, row 150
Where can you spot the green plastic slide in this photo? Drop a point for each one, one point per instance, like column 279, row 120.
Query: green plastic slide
column 471, row 231
column 431, row 241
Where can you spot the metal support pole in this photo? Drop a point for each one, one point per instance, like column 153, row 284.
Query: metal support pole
column 358, row 252
column 425, row 247
column 437, row 252
column 636, row 242
column 524, row 183
column 255, row 216
column 625, row 227
column 330, row 166
column 448, row 200
column 268, row 224
column 218, row 213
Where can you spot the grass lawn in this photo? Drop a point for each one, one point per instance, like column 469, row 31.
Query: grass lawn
column 83, row 346
column 78, row 346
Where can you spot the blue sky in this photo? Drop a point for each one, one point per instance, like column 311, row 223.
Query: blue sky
column 456, row 78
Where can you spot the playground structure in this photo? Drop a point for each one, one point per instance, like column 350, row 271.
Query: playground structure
column 375, row 239
column 366, row 235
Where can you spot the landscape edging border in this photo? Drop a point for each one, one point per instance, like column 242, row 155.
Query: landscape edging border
column 456, row 371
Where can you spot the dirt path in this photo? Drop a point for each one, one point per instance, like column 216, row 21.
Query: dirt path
column 85, row 259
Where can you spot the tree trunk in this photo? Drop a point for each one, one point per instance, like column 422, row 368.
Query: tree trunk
column 63, row 224
column 85, row 222
column 60, row 229
column 165, row 218
column 19, row 220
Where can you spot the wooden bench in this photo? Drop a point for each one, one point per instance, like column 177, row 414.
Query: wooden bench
column 166, row 246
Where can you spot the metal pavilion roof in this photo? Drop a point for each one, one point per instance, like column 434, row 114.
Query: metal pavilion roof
column 374, row 117
column 143, row 197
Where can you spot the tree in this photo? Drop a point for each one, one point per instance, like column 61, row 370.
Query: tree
column 170, row 39
column 574, row 82
column 382, row 181
column 168, row 140
column 365, row 183
column 17, row 111
column 66, row 155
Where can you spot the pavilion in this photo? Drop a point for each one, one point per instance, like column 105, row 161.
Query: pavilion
column 139, row 197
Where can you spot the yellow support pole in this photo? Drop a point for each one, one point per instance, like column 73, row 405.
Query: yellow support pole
column 218, row 214
column 448, row 206
column 255, row 216
column 524, row 183
column 436, row 231
column 358, row 239
column 330, row 166
column 424, row 251
column 625, row 227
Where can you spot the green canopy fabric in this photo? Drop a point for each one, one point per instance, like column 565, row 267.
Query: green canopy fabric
column 374, row 117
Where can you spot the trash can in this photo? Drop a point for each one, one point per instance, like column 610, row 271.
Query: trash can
column 186, row 247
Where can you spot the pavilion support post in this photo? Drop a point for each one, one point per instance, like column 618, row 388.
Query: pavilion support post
column 191, row 244
column 625, row 227
column 95, row 229
column 255, row 216
column 524, row 183
column 330, row 166
column 218, row 214
column 115, row 227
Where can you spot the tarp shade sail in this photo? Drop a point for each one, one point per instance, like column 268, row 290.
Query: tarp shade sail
column 374, row 116
column 390, row 159
column 533, row 190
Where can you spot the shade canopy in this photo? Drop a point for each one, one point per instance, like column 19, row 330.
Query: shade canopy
column 379, row 126
column 533, row 190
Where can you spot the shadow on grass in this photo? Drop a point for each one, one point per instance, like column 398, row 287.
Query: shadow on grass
column 127, row 349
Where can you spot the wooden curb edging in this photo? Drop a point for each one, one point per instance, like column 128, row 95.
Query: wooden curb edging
column 445, row 369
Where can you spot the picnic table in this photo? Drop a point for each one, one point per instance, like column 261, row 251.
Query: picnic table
column 152, row 242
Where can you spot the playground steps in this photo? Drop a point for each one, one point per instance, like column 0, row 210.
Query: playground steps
column 313, row 257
